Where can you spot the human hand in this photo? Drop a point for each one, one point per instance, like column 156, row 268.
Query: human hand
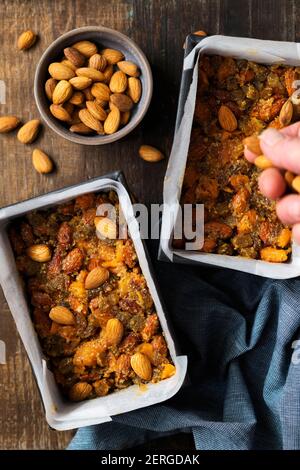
column 283, row 149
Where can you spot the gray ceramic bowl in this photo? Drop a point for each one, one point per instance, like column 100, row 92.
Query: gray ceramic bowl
column 104, row 38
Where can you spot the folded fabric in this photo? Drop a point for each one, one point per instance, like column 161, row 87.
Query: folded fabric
column 243, row 386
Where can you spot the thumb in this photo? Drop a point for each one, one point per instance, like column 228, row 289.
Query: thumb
column 282, row 150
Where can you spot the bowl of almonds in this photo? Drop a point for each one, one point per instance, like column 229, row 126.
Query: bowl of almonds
column 93, row 85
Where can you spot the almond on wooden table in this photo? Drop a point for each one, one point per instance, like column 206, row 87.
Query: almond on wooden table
column 29, row 131
column 150, row 154
column 8, row 123
column 41, row 162
column 26, row 40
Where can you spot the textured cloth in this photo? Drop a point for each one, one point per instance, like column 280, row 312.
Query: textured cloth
column 243, row 388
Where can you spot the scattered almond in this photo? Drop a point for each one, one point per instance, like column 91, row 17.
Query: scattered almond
column 96, row 278
column 98, row 62
column 50, row 87
column 134, row 89
column 262, row 162
column 252, row 143
column 227, row 119
column 96, row 110
column 62, row 92
column 69, row 64
column 74, row 56
column 118, row 82
column 100, row 91
column 112, row 56
column 80, row 391
column 150, row 154
column 60, row 71
column 112, row 122
column 89, row 72
column 29, row 131
column 62, row 315
column 81, row 128
column 141, row 366
column 77, row 98
column 87, row 48
column 8, row 123
column 41, row 162
column 122, row 102
column 286, row 113
column 125, row 118
column 40, row 253
column 60, row 113
column 129, row 68
column 113, row 332
column 88, row 119
column 26, row 40
column 80, row 83
column 108, row 73
column 88, row 94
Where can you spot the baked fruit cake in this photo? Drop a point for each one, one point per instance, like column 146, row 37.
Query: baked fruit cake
column 90, row 303
column 236, row 99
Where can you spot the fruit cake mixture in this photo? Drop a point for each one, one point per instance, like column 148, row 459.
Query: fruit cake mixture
column 235, row 99
column 91, row 306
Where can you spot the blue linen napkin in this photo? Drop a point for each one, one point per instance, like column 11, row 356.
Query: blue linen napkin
column 240, row 333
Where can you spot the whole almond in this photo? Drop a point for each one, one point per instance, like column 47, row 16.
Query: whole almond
column 141, row 366
column 96, row 277
column 252, row 143
column 77, row 98
column 96, row 110
column 286, row 113
column 41, row 162
column 263, row 162
column 113, row 332
column 29, row 132
column 80, row 128
column 40, row 253
column 129, row 68
column 118, row 82
column 86, row 48
column 296, row 184
column 105, row 228
column 112, row 122
column 60, row 71
column 88, row 119
column 122, row 102
column 80, row 391
column 63, row 92
column 134, row 89
column 108, row 73
column 74, row 56
column 69, row 64
column 60, row 113
column 8, row 123
column 26, row 40
column 62, row 315
column 227, row 119
column 80, row 83
column 69, row 107
column 100, row 91
column 50, row 87
column 102, row 103
column 125, row 118
column 98, row 62
column 112, row 56
column 88, row 94
column 150, row 154
column 93, row 74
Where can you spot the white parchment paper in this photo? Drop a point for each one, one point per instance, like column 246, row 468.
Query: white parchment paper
column 256, row 50
column 60, row 413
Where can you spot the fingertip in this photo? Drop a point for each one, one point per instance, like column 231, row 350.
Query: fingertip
column 271, row 183
column 250, row 156
column 288, row 209
column 296, row 233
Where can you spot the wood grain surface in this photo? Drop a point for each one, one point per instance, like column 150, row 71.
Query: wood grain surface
column 159, row 27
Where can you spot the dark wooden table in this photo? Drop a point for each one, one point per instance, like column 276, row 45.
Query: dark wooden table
column 159, row 27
